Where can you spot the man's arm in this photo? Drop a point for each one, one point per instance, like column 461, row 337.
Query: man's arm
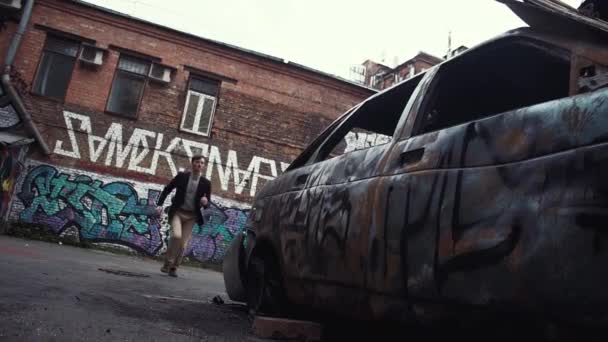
column 167, row 190
column 206, row 199
column 208, row 195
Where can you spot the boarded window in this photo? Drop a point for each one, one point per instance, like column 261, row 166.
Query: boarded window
column 128, row 86
column 56, row 66
column 200, row 106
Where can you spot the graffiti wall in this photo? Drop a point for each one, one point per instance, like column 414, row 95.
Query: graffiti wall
column 10, row 167
column 117, row 211
column 147, row 151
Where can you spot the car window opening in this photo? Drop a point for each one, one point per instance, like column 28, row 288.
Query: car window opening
column 372, row 124
column 495, row 80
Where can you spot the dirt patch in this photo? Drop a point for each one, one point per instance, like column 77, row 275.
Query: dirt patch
column 124, row 273
column 198, row 319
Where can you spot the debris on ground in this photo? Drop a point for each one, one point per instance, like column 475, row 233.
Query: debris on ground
column 124, row 273
column 280, row 328
column 217, row 300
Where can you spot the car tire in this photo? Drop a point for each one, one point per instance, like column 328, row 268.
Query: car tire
column 265, row 293
column 233, row 269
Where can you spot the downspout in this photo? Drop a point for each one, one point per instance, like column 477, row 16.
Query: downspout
column 6, row 77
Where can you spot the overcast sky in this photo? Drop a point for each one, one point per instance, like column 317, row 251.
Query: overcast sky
column 331, row 35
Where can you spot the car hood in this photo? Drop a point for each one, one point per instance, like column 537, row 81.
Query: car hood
column 554, row 15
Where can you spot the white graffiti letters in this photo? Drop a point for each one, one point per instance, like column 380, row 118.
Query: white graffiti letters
column 85, row 125
column 132, row 154
column 357, row 141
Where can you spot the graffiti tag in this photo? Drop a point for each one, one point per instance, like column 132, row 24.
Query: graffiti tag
column 114, row 212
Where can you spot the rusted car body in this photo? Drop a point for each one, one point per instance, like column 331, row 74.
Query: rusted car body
column 491, row 189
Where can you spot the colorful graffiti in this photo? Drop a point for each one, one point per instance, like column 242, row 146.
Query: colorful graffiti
column 114, row 212
column 210, row 241
column 10, row 168
column 106, row 213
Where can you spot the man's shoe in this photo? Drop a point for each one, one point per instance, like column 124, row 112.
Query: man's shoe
column 165, row 268
column 173, row 272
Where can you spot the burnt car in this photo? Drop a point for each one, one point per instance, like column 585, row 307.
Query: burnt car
column 481, row 182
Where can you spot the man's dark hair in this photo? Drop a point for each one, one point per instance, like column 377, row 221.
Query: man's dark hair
column 197, row 157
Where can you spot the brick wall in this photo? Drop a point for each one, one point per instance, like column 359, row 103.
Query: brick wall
column 267, row 112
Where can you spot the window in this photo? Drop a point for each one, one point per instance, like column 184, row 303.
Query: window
column 507, row 75
column 128, row 86
column 372, row 124
column 56, row 66
column 357, row 73
column 376, row 81
column 200, row 106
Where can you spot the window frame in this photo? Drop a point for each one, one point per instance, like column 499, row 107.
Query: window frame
column 321, row 152
column 198, row 114
column 43, row 53
column 431, row 91
column 145, row 78
column 308, row 156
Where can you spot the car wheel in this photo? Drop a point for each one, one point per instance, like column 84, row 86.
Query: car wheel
column 265, row 294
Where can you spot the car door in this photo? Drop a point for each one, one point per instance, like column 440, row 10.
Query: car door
column 402, row 237
column 455, row 189
column 323, row 229
column 334, row 211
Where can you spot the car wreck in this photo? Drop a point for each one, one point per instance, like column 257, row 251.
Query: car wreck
column 487, row 186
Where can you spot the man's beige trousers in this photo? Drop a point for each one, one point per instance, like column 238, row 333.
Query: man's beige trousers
column 181, row 232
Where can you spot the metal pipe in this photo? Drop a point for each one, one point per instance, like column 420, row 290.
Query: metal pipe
column 25, row 19
column 6, row 77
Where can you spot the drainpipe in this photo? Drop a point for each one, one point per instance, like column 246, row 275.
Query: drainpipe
column 6, row 78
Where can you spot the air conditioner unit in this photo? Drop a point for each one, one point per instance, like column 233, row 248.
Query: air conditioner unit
column 91, row 55
column 11, row 4
column 160, row 73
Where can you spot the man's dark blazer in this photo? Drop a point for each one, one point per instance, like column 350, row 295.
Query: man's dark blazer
column 180, row 182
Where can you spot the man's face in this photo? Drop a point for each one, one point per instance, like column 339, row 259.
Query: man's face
column 197, row 165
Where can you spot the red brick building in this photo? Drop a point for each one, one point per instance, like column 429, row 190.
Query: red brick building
column 118, row 105
column 379, row 76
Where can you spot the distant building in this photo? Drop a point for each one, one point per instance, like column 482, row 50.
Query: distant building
column 457, row 51
column 379, row 76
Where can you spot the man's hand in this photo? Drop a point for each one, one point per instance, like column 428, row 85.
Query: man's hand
column 159, row 210
column 204, row 201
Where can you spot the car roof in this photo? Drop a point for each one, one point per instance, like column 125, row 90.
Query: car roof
column 556, row 16
column 549, row 24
